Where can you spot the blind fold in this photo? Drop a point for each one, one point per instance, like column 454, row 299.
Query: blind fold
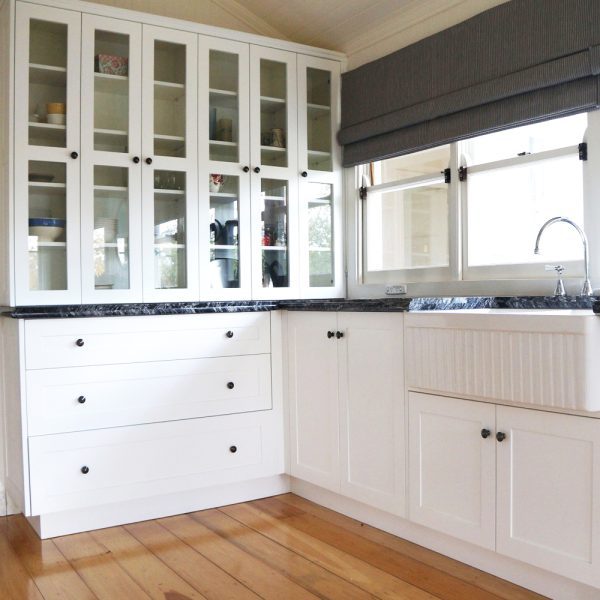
column 521, row 62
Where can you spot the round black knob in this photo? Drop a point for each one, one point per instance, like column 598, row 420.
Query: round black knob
column 136, row 159
column 500, row 436
column 74, row 155
column 257, row 169
column 233, row 449
column 304, row 174
column 81, row 399
column 485, row 433
column 80, row 342
column 229, row 334
column 148, row 161
column 85, row 470
column 230, row 385
column 330, row 334
column 246, row 169
column 339, row 334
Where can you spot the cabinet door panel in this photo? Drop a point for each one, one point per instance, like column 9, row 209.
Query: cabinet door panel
column 313, row 393
column 452, row 467
column 549, row 491
column 372, row 407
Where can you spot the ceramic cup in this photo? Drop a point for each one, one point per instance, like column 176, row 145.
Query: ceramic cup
column 56, row 108
column 56, row 118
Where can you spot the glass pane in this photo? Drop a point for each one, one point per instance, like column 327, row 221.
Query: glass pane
column 408, row 228
column 318, row 106
column 427, row 162
column 224, row 231
column 223, row 109
column 528, row 139
column 47, row 84
column 169, row 99
column 111, row 228
column 274, row 233
column 169, row 230
column 111, row 92
column 320, row 234
column 273, row 113
column 506, row 208
column 47, row 243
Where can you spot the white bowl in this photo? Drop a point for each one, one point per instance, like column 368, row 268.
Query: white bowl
column 46, row 233
column 56, row 119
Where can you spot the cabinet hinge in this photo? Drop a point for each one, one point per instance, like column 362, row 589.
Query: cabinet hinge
column 362, row 192
column 447, row 175
column 583, row 151
column 462, row 173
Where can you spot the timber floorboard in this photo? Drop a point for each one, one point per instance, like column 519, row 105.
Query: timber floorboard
column 280, row 548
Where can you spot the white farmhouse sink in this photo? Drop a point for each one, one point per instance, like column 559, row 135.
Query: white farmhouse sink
column 544, row 358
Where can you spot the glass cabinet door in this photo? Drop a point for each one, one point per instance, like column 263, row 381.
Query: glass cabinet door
column 47, row 151
column 110, row 160
column 320, row 178
column 169, row 165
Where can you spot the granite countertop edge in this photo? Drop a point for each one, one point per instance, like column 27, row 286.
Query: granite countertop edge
column 403, row 304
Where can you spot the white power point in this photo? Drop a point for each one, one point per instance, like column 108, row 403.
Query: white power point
column 395, row 290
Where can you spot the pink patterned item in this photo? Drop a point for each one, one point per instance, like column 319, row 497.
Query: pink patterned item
column 111, row 65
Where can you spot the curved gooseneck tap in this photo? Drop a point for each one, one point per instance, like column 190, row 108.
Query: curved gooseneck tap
column 587, row 286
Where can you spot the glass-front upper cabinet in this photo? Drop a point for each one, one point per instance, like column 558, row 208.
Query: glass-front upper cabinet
column 169, row 165
column 47, row 148
column 224, row 179
column 319, row 163
column 111, row 261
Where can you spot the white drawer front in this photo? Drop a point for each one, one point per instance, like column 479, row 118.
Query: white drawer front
column 126, row 463
column 81, row 398
column 111, row 340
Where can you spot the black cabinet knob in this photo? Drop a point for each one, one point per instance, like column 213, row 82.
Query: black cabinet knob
column 257, row 169
column 230, row 385
column 74, row 155
column 229, row 334
column 136, row 159
column 81, row 399
column 79, row 342
column 148, row 161
column 485, row 433
column 246, row 169
column 304, row 173
column 85, row 470
column 500, row 436
column 339, row 335
column 233, row 449
column 330, row 334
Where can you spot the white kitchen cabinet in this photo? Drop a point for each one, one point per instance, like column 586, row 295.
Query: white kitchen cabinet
column 347, row 404
column 452, row 467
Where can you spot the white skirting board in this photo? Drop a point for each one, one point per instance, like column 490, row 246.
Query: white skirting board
column 109, row 515
column 538, row 580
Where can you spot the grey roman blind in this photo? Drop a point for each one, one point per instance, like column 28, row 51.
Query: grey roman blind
column 520, row 62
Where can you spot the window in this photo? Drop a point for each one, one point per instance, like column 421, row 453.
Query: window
column 419, row 227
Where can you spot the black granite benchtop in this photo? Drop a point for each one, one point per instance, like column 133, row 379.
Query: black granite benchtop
column 401, row 304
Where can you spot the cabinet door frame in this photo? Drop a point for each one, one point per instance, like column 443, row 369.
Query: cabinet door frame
column 91, row 157
column 25, row 12
column 333, row 178
column 189, row 164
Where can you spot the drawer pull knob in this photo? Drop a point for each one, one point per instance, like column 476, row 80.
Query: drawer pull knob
column 339, row 335
column 330, row 334
column 233, row 449
column 230, row 385
column 85, row 470
column 80, row 342
column 81, row 399
column 500, row 436
column 229, row 334
column 485, row 433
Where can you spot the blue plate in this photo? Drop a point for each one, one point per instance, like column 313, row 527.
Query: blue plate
column 47, row 222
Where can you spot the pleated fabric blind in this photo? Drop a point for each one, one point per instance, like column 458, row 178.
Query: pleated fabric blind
column 520, row 62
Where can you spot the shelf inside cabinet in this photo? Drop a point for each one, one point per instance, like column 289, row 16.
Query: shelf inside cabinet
column 168, row 246
column 34, row 245
column 319, row 202
column 167, row 194
column 222, row 198
column 111, row 84
column 47, row 75
column 274, row 248
column 224, row 246
column 274, row 198
column 319, row 249
column 317, row 110
column 110, row 191
column 47, row 189
column 165, row 90
column 319, row 154
column 168, row 145
column 270, row 105
column 223, row 144
column 272, row 152
column 109, row 136
column 48, row 130
column 223, row 98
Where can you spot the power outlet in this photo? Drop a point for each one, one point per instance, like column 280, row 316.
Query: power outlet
column 395, row 290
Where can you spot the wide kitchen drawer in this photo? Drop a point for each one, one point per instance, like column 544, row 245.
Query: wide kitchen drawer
column 81, row 398
column 111, row 340
column 76, row 470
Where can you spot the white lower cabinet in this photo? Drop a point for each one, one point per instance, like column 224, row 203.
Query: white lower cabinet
column 347, row 404
column 523, row 482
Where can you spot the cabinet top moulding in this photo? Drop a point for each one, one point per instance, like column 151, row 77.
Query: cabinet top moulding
column 190, row 26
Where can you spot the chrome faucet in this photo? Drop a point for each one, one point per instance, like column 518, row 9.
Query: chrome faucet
column 586, row 290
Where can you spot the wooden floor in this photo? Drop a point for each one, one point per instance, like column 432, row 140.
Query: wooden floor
column 279, row 548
